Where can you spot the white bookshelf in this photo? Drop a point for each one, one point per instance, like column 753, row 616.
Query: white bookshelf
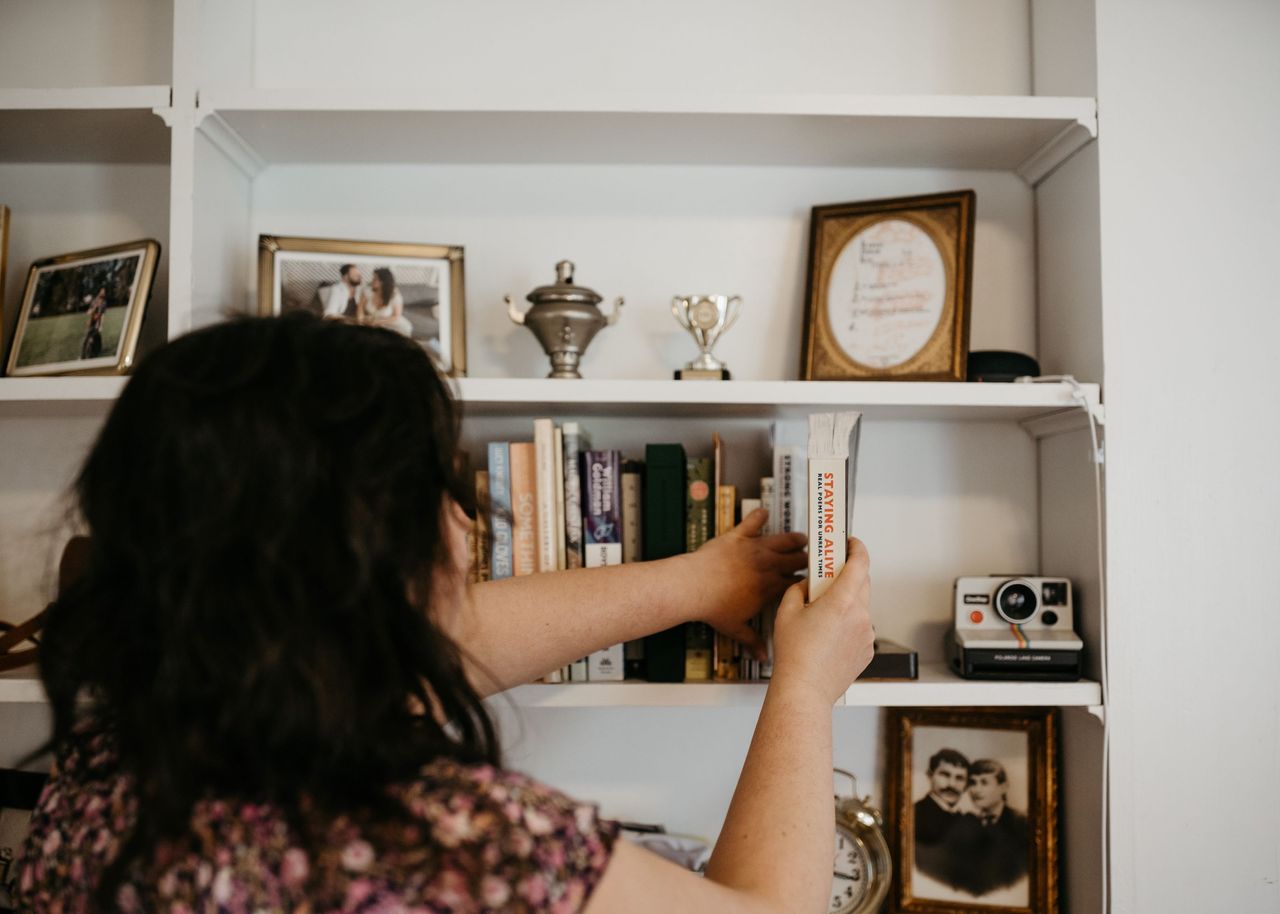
column 657, row 175
column 936, row 687
column 104, row 124
column 1030, row 135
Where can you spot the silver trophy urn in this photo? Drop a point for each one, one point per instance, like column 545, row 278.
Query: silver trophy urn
column 564, row 318
column 707, row 317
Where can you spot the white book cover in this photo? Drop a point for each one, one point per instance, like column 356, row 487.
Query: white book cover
column 544, row 450
column 789, row 458
column 607, row 665
column 832, row 469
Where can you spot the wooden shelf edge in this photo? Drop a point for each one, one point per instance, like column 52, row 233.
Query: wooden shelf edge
column 147, row 97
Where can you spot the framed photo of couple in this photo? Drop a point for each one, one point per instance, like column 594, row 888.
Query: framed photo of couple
column 412, row 289
column 973, row 810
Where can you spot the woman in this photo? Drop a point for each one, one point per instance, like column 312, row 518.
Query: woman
column 267, row 686
column 91, row 347
column 383, row 305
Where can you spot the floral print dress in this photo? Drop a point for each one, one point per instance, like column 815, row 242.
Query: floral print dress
column 477, row 839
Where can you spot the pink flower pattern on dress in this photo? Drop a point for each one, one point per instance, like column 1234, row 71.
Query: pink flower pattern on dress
column 475, row 839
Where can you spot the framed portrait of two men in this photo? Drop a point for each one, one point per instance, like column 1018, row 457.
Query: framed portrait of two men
column 973, row 810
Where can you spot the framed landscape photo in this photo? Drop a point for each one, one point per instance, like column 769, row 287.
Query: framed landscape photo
column 973, row 810
column 82, row 312
column 888, row 289
column 412, row 289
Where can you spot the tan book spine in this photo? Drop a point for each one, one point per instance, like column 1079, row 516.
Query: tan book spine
column 524, row 508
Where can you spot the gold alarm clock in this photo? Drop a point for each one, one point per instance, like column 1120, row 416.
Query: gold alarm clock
column 860, row 879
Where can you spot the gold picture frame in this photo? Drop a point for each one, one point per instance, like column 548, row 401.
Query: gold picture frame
column 4, row 262
column 315, row 274
column 82, row 312
column 888, row 289
column 992, row 848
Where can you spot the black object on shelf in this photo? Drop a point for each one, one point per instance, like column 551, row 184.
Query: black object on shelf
column 999, row 365
column 892, row 661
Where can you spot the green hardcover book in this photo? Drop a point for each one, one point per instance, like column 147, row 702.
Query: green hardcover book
column 699, row 503
column 664, row 535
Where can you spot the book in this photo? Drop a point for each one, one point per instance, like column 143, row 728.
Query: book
column 790, row 455
column 544, row 444
column 602, row 541
column 699, row 637
column 663, row 536
column 524, row 509
column 559, row 532
column 750, row 506
column 726, row 508
column 484, row 549
column 632, row 510
column 602, row 518
column 832, row 470
column 632, row 525
column 575, row 442
column 500, row 510
column 769, row 499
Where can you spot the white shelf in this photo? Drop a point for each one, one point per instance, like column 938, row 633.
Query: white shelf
column 21, row 686
column 69, row 396
column 110, row 124
column 936, row 687
column 1028, row 134
column 1031, row 404
column 768, row 399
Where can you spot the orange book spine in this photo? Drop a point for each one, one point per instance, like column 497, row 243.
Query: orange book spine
column 524, row 508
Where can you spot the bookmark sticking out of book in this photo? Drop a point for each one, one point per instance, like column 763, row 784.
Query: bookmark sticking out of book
column 833, row 469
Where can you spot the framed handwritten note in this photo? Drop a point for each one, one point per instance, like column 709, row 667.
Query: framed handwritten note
column 889, row 289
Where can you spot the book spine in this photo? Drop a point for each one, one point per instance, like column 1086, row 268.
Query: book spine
column 484, row 548
column 726, row 506
column 500, row 510
column 699, row 637
column 632, row 515
column 769, row 499
column 632, row 525
column 789, row 473
column 664, row 535
column 828, row 528
column 544, row 444
column 574, row 444
column 602, row 539
column 559, row 532
column 524, row 509
column 750, row 506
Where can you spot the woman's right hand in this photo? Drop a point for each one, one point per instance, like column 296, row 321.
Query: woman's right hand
column 826, row 644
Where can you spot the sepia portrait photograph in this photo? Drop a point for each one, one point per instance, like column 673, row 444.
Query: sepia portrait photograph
column 82, row 312
column 412, row 289
column 973, row 810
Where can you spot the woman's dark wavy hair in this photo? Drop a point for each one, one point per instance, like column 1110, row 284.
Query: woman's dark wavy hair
column 265, row 504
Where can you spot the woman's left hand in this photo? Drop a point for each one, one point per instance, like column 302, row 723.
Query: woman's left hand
column 741, row 572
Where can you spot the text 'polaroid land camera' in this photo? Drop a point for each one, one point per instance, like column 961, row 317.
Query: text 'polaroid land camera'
column 1014, row 628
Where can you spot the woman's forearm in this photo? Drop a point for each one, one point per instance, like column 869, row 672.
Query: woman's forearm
column 517, row 629
column 778, row 838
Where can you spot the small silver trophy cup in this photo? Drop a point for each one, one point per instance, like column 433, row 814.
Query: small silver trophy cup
column 707, row 317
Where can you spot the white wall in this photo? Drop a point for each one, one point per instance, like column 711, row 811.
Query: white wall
column 1190, row 127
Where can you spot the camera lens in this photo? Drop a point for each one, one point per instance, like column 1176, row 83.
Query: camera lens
column 1016, row 602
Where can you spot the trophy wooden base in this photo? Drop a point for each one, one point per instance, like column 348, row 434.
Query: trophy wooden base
column 701, row 374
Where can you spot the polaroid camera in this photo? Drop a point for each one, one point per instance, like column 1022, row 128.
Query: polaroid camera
column 1014, row 628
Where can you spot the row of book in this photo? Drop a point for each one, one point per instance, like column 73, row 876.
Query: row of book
column 557, row 503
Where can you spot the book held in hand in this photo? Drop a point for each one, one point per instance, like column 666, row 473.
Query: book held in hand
column 833, row 468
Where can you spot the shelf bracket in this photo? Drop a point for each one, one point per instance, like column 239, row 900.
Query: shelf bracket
column 235, row 147
column 1049, row 157
column 1098, row 711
